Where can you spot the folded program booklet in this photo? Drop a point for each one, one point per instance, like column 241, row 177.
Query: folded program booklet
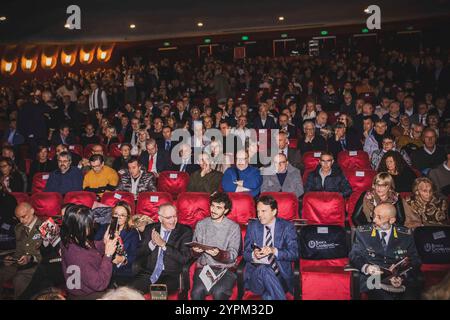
column 200, row 245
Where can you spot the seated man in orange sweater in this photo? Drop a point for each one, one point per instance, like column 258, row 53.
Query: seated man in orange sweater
column 100, row 178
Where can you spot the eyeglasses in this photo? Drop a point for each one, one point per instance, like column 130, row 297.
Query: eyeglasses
column 120, row 215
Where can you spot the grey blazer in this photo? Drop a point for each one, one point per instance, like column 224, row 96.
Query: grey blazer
column 292, row 183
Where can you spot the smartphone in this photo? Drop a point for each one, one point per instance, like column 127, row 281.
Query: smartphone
column 113, row 227
column 254, row 247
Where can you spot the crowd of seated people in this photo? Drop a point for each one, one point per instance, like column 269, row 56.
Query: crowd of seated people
column 86, row 132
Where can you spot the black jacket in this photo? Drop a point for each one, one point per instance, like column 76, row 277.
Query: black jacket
column 335, row 182
column 177, row 253
column 163, row 162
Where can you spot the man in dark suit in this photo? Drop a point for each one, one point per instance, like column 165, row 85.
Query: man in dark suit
column 283, row 124
column 186, row 163
column 63, row 136
column 163, row 252
column 166, row 142
column 342, row 141
column 263, row 120
column 381, row 245
column 181, row 114
column 293, row 155
column 154, row 160
column 131, row 136
column 270, row 247
column 12, row 136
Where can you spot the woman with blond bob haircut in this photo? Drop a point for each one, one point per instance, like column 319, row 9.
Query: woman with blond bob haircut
column 424, row 207
column 382, row 191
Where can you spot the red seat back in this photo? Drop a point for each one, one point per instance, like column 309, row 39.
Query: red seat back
column 39, row 182
column 433, row 274
column 405, row 195
column 84, row 198
column 324, row 208
column 114, row 150
column 310, row 161
column 192, row 207
column 28, row 166
column 287, row 204
column 360, row 179
column 293, row 143
column 111, row 198
column 173, row 182
column 21, row 197
column 350, row 205
column 46, row 204
column 348, row 160
column 149, row 202
column 76, row 148
column 243, row 207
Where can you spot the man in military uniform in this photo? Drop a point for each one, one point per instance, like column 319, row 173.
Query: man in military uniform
column 22, row 264
column 381, row 245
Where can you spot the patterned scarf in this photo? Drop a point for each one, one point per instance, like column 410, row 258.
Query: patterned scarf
column 374, row 199
column 433, row 212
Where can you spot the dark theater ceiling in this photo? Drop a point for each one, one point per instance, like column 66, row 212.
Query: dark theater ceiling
column 110, row 20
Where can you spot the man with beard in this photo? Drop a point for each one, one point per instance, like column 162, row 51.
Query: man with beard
column 224, row 236
column 381, row 245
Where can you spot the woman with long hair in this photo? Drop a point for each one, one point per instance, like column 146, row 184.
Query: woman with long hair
column 394, row 164
column 87, row 264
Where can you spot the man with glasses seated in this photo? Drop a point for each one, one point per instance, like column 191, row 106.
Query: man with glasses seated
column 328, row 177
column 66, row 178
column 163, row 251
column 100, row 178
column 388, row 144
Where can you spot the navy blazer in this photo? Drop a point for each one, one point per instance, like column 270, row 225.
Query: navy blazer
column 285, row 241
column 163, row 162
column 17, row 138
column 270, row 123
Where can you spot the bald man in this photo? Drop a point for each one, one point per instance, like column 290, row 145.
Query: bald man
column 380, row 245
column 22, row 264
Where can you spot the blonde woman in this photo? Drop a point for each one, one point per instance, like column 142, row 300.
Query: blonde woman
column 424, row 207
column 382, row 191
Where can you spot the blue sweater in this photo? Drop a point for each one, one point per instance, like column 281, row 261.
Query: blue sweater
column 251, row 177
column 72, row 180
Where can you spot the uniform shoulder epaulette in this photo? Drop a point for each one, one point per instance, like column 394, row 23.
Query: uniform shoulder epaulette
column 403, row 230
column 365, row 228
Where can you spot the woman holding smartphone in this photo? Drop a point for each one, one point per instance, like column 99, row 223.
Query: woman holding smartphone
column 127, row 243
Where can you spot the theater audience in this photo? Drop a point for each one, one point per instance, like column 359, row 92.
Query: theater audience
column 430, row 155
column 100, row 178
column 10, row 178
column 388, row 144
column 135, row 179
column 42, row 163
column 441, row 175
column 311, row 141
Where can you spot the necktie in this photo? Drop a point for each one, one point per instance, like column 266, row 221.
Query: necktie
column 134, row 138
column 383, row 239
column 271, row 257
column 343, row 144
column 160, row 262
column 150, row 164
column 167, row 145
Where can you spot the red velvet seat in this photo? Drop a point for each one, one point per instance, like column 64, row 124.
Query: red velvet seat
column 28, row 166
column 325, row 279
column 173, row 182
column 39, row 182
column 433, row 273
column 360, row 179
column 243, row 207
column 114, row 150
column 192, row 207
column 293, row 143
column 405, row 195
column 111, row 198
column 352, row 160
column 350, row 205
column 324, row 208
column 310, row 161
column 21, row 197
column 287, row 204
column 149, row 202
column 51, row 152
column 77, row 149
column 84, row 198
column 46, row 204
